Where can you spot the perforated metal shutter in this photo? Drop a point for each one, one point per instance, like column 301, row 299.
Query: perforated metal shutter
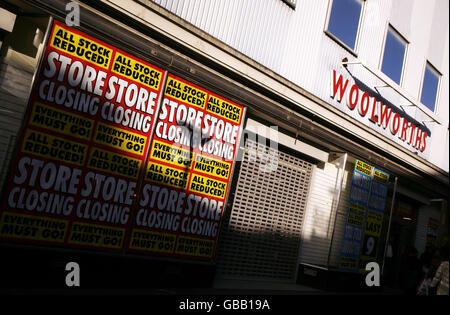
column 261, row 236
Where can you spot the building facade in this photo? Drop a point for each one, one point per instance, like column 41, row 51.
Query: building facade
column 341, row 142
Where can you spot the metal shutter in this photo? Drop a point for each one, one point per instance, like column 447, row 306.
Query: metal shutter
column 261, row 236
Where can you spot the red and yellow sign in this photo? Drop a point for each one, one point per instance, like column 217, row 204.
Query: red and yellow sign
column 83, row 146
column 105, row 162
column 187, row 173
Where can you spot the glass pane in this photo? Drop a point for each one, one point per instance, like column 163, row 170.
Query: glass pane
column 394, row 53
column 344, row 20
column 429, row 88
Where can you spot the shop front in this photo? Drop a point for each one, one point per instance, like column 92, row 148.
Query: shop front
column 154, row 165
column 115, row 162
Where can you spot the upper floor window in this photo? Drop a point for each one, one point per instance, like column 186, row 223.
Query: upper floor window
column 394, row 55
column 344, row 20
column 430, row 87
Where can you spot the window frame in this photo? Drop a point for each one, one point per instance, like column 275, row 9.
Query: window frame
column 353, row 51
column 438, row 88
column 383, row 50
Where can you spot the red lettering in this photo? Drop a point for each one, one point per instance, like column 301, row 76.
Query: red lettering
column 405, row 125
column 411, row 135
column 395, row 124
column 351, row 100
column 365, row 98
column 424, row 141
column 337, row 85
column 374, row 114
column 419, row 133
column 385, row 113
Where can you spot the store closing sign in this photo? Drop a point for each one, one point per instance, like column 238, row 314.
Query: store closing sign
column 188, row 172
column 82, row 151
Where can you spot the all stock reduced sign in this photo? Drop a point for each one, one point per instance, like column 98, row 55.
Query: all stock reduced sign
column 75, row 181
column 187, row 173
column 362, row 231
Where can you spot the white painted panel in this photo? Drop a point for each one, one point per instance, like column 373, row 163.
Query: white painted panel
column 341, row 217
column 317, row 229
column 7, row 20
column 278, row 137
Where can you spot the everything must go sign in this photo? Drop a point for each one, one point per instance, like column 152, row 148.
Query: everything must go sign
column 117, row 155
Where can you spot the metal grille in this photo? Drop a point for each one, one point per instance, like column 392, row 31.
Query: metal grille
column 261, row 235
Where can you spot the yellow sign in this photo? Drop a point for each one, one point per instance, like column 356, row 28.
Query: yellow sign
column 224, row 109
column 30, row 227
column 96, row 235
column 54, row 148
column 61, row 121
column 194, row 247
column 152, row 241
column 363, row 167
column 208, row 186
column 380, row 176
column 114, row 163
column 355, row 219
column 185, row 93
column 161, row 174
column 171, row 154
column 207, row 165
column 81, row 47
column 137, row 71
column 120, row 138
column 357, row 208
column 374, row 222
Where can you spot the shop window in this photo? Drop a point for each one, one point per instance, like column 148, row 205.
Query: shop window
column 394, row 55
column 344, row 20
column 430, row 86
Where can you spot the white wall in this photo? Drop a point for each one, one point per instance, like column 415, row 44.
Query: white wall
column 293, row 44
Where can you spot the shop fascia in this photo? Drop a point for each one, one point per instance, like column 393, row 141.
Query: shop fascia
column 381, row 115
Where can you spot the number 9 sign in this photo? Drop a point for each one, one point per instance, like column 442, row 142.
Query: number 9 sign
column 370, row 246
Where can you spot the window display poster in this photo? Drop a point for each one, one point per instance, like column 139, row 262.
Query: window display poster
column 83, row 145
column 187, row 173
